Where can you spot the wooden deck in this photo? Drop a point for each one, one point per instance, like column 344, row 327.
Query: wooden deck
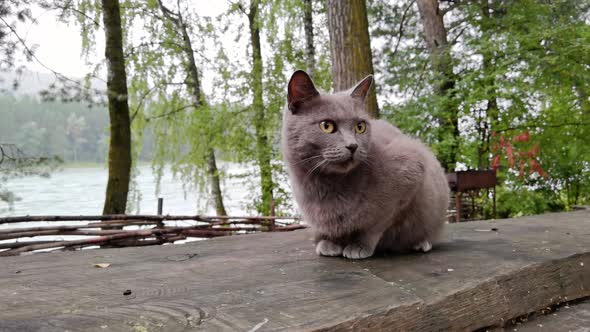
column 569, row 318
column 482, row 275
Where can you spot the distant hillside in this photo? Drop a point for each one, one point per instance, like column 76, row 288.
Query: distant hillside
column 72, row 131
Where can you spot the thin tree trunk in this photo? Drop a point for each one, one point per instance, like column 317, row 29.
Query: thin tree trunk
column 120, row 125
column 262, row 144
column 350, row 46
column 492, row 106
column 199, row 100
column 215, row 183
column 194, row 84
column 308, row 27
column 435, row 35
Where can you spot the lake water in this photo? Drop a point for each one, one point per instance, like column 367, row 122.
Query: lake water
column 81, row 191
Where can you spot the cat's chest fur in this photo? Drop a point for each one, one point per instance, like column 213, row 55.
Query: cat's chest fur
column 340, row 204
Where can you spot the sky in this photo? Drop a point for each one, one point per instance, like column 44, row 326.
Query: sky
column 59, row 45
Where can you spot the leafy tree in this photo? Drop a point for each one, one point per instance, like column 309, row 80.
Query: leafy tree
column 517, row 67
column 11, row 13
column 164, row 59
column 275, row 45
column 441, row 63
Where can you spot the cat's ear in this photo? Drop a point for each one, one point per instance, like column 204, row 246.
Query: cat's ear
column 362, row 88
column 300, row 89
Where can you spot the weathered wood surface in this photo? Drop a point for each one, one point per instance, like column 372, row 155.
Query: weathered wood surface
column 475, row 278
column 567, row 318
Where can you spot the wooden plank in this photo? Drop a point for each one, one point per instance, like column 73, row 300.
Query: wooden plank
column 475, row 278
column 574, row 318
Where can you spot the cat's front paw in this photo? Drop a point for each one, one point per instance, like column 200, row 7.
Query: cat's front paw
column 423, row 246
column 328, row 248
column 356, row 251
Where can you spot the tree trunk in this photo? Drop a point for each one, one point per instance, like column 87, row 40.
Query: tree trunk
column 435, row 36
column 350, row 47
column 120, row 125
column 215, row 183
column 492, row 106
column 194, row 85
column 308, row 27
column 262, row 145
column 199, row 100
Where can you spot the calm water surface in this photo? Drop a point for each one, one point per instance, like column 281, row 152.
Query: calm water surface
column 76, row 191
column 81, row 191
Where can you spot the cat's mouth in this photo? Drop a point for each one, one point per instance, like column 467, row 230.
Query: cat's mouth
column 342, row 165
column 340, row 161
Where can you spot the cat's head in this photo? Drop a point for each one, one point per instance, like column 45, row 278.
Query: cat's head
column 326, row 133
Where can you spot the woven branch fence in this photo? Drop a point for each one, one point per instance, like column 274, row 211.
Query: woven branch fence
column 129, row 230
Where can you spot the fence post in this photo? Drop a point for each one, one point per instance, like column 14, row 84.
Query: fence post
column 160, row 211
column 160, row 205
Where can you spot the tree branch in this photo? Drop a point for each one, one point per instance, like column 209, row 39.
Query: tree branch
column 165, row 115
column 239, row 6
column 452, row 5
column 401, row 27
column 143, row 97
column 168, row 13
column 68, row 6
column 551, row 125
column 32, row 55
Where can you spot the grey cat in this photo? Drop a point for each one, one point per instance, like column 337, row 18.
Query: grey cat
column 359, row 182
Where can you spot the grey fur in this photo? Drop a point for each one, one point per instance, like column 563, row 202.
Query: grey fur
column 389, row 194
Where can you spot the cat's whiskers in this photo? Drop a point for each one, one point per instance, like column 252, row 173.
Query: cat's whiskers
column 308, row 159
column 366, row 161
column 363, row 159
column 320, row 164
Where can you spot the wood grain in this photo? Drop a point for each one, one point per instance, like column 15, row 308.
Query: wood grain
column 473, row 279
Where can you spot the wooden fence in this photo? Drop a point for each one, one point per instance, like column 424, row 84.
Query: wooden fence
column 114, row 230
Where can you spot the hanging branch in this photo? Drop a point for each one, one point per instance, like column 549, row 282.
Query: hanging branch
column 401, row 27
column 540, row 125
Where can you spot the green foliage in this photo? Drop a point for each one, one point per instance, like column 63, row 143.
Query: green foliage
column 517, row 202
column 228, row 122
column 13, row 13
column 520, row 66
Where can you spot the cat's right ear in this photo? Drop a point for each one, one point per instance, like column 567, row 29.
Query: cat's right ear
column 300, row 90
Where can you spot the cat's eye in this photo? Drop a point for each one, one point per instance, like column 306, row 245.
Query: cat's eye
column 328, row 126
column 360, row 127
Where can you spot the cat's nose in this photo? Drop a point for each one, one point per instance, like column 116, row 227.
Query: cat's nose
column 352, row 147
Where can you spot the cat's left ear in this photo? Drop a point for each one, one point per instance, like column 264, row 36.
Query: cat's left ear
column 300, row 90
column 362, row 88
